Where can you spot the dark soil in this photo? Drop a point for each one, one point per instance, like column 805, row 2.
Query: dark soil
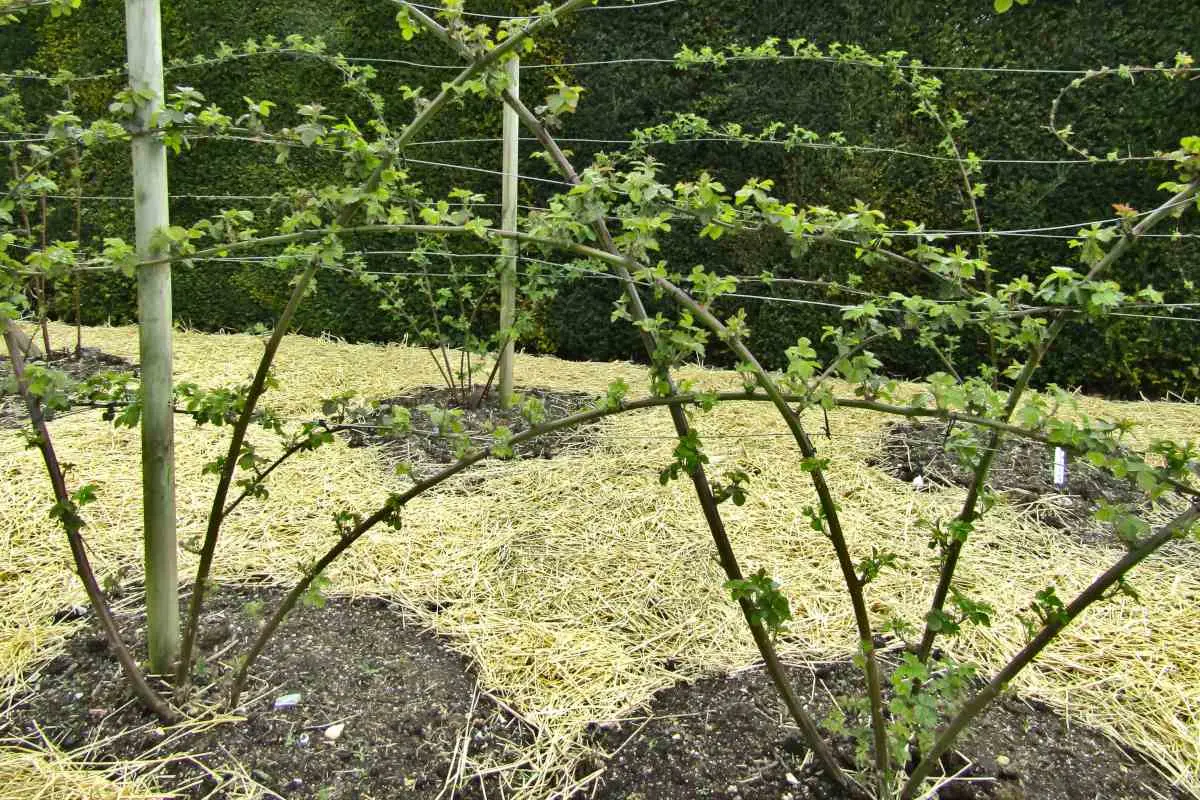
column 406, row 701
column 1022, row 469
column 13, row 413
column 725, row 737
column 424, row 444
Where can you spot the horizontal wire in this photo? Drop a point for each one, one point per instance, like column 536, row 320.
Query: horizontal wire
column 830, row 60
column 487, row 171
column 423, row 162
column 120, row 71
column 281, row 196
column 1156, row 317
column 846, row 61
column 1033, row 232
column 1033, row 235
column 814, row 146
column 1078, row 225
column 855, row 148
column 611, row 7
column 586, row 273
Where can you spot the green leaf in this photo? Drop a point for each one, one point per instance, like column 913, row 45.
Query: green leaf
column 408, row 29
column 84, row 494
column 770, row 606
column 313, row 596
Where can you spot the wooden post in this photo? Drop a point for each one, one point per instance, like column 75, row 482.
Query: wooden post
column 508, row 248
column 143, row 37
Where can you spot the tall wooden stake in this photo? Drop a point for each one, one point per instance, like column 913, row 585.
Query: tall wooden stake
column 508, row 221
column 143, row 39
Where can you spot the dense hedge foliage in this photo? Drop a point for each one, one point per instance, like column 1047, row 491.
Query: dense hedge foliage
column 238, row 296
column 1007, row 113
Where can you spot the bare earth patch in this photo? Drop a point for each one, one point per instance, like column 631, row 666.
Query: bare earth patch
column 414, row 724
column 727, row 737
column 426, row 445
column 353, row 701
column 1021, row 470
column 13, row 413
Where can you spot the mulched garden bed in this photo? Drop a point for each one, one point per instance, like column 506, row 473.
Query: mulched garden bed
column 408, row 705
column 1022, row 470
column 425, row 445
column 13, row 413
column 726, row 737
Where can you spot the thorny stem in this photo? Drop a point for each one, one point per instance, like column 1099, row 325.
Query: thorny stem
column 969, row 513
column 445, row 351
column 854, row 584
column 856, row 350
column 395, row 504
column 469, row 401
column 390, row 509
column 573, row 420
column 679, row 419
column 479, row 62
column 41, row 282
column 258, row 384
column 257, row 387
column 911, row 412
column 1097, row 590
column 16, row 170
column 1062, row 134
column 708, row 504
column 464, row 378
column 73, row 525
column 261, row 477
column 32, row 171
column 704, row 493
column 78, row 276
column 946, row 362
column 448, row 373
column 445, row 376
column 217, row 513
column 969, row 187
column 487, row 386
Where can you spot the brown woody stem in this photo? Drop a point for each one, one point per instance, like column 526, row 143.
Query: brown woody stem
column 1097, row 590
column 969, row 508
column 72, row 523
column 679, row 419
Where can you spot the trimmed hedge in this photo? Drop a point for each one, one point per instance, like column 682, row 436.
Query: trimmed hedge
column 237, row 296
column 1007, row 113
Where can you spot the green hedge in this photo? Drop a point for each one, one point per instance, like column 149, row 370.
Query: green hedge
column 1007, row 113
column 233, row 296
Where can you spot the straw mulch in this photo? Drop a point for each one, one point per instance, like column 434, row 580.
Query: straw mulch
column 39, row 770
column 572, row 582
column 51, row 774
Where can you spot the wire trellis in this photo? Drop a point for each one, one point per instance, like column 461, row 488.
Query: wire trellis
column 1038, row 232
column 636, row 60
